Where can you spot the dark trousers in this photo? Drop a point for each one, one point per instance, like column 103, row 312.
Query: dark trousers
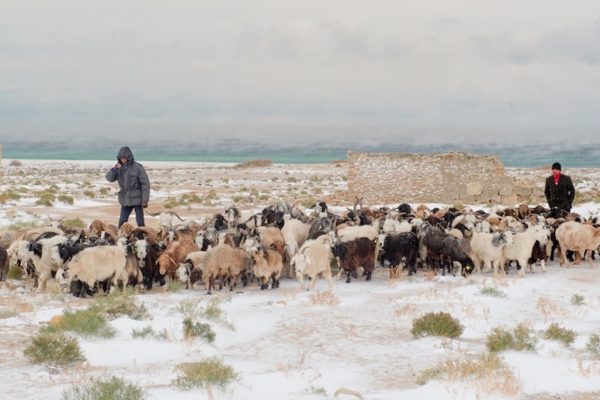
column 126, row 211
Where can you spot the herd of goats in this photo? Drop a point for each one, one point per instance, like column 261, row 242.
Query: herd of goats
column 288, row 241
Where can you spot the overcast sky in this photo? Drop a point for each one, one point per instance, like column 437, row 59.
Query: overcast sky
column 477, row 70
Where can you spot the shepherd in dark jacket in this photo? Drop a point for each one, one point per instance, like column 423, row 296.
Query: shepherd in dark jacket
column 134, row 184
column 560, row 191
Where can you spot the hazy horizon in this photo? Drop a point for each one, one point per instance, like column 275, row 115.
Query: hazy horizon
column 397, row 71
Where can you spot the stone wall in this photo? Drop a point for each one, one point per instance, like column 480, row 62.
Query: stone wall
column 451, row 178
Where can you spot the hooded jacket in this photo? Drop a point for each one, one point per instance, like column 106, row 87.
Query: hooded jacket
column 560, row 195
column 133, row 180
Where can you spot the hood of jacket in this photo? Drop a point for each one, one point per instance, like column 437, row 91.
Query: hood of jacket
column 125, row 152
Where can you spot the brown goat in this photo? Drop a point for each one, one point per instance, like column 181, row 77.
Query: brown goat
column 176, row 252
column 268, row 265
column 97, row 227
column 226, row 263
column 354, row 254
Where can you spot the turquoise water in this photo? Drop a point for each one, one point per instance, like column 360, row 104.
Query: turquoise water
column 512, row 156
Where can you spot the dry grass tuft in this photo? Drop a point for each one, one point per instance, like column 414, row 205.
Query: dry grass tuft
column 550, row 309
column 486, row 375
column 325, row 298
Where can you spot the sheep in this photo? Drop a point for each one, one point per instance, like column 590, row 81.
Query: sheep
column 175, row 253
column 141, row 251
column 486, row 249
column 294, row 234
column 355, row 254
column 133, row 274
column 351, row 233
column 225, row 262
column 102, row 229
column 391, row 225
column 233, row 217
column 398, row 247
column 433, row 243
column 313, row 259
column 370, row 232
column 267, row 266
column 167, row 220
column 404, row 209
column 539, row 254
column 190, row 270
column 522, row 245
column 18, row 253
column 577, row 237
column 272, row 238
column 43, row 254
column 126, row 229
column 96, row 264
column 321, row 226
column 150, row 270
column 35, row 233
column 3, row 264
column 457, row 250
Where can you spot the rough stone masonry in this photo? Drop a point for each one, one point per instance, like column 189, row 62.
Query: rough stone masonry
column 450, row 178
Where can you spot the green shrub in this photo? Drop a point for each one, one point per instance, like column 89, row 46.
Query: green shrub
column 254, row 164
column 437, row 324
column 198, row 329
column 210, row 373
column 170, row 203
column 593, row 345
column 175, row 286
column 493, row 292
column 112, row 388
column 577, row 300
column 66, row 199
column 54, row 348
column 520, row 339
column 73, row 223
column 558, row 333
column 45, row 199
column 89, row 193
column 9, row 195
column 143, row 333
column 88, row 322
column 119, row 304
column 15, row 272
column 213, row 310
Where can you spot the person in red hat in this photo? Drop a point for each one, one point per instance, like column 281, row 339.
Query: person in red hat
column 559, row 191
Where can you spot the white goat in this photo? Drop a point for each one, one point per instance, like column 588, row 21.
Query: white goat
column 522, row 245
column 314, row 259
column 486, row 249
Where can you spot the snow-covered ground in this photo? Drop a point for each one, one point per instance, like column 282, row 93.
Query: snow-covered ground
column 290, row 344
column 286, row 343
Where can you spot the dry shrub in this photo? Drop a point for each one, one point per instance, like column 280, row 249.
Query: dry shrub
column 105, row 388
column 254, row 164
column 209, row 373
column 551, row 310
column 407, row 310
column 486, row 374
column 15, row 163
column 325, row 298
